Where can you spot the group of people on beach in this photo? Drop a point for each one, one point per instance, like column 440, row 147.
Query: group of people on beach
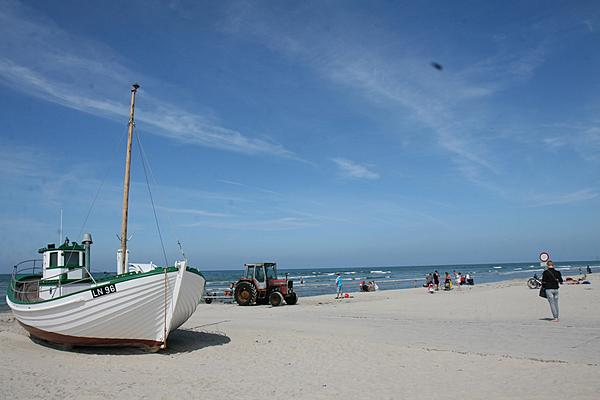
column 363, row 286
column 432, row 280
column 368, row 287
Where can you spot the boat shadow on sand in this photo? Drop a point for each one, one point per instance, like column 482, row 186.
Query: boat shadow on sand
column 180, row 341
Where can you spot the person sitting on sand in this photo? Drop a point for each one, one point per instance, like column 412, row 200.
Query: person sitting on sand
column 363, row 287
column 469, row 279
column 430, row 288
column 428, row 280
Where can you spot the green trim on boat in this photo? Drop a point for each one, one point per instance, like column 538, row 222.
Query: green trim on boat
column 65, row 266
column 104, row 281
column 74, row 246
column 194, row 271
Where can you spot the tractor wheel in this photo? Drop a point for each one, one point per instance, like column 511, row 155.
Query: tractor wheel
column 245, row 294
column 291, row 299
column 275, row 299
column 208, row 300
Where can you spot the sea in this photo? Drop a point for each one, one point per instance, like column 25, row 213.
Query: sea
column 318, row 281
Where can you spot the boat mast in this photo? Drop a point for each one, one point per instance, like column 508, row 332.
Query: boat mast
column 123, row 266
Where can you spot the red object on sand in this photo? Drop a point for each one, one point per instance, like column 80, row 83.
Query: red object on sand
column 346, row 295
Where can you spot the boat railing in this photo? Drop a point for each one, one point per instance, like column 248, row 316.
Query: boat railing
column 27, row 275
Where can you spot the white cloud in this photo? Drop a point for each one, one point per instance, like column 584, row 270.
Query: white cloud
column 554, row 142
column 17, row 162
column 42, row 60
column 354, row 170
column 259, row 189
column 552, row 199
column 276, row 224
column 394, row 72
column 192, row 211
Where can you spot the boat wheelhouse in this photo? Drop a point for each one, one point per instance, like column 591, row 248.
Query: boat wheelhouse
column 67, row 263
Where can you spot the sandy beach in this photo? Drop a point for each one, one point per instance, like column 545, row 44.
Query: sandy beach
column 490, row 341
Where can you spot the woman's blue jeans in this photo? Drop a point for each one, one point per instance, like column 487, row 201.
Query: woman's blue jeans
column 552, row 296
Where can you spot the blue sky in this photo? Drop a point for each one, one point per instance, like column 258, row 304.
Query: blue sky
column 310, row 133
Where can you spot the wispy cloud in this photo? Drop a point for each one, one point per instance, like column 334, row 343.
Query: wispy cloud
column 552, row 199
column 192, row 211
column 554, row 142
column 42, row 60
column 17, row 162
column 394, row 72
column 277, row 224
column 354, row 170
column 228, row 182
column 581, row 136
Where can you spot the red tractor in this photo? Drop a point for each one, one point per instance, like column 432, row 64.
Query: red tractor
column 260, row 285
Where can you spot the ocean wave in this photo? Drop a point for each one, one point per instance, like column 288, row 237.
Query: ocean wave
column 518, row 272
column 380, row 272
column 218, row 283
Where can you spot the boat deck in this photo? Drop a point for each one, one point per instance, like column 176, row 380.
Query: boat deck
column 27, row 290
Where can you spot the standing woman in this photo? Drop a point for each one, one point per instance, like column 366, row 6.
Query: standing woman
column 550, row 280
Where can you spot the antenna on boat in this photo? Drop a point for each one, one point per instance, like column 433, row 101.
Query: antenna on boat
column 181, row 249
column 61, row 227
column 123, row 264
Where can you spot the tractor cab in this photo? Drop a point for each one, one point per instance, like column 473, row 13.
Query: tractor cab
column 259, row 284
column 262, row 274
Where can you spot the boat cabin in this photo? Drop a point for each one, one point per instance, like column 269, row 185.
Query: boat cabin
column 63, row 264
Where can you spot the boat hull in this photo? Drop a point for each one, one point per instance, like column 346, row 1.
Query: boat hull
column 141, row 311
column 66, row 340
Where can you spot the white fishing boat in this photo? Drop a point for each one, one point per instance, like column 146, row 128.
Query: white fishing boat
column 57, row 299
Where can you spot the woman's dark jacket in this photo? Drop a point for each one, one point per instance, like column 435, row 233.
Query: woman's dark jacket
column 551, row 278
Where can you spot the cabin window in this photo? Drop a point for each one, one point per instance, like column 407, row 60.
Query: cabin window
column 71, row 258
column 260, row 274
column 250, row 273
column 54, row 259
column 271, row 272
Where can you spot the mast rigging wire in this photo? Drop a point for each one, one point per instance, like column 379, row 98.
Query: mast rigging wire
column 100, row 187
column 170, row 224
column 143, row 157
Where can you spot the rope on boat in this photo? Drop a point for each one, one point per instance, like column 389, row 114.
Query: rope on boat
column 107, row 171
column 166, row 283
column 169, row 224
column 162, row 244
column 165, row 311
